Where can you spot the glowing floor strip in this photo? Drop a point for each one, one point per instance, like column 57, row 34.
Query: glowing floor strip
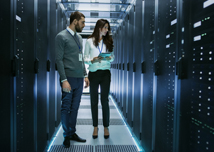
column 140, row 149
column 54, row 138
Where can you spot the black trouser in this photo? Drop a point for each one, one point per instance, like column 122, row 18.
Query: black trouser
column 102, row 78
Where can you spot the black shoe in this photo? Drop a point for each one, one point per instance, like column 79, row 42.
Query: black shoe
column 106, row 136
column 95, row 136
column 66, row 142
column 106, row 131
column 77, row 138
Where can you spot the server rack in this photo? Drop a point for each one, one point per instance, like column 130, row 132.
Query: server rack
column 29, row 100
column 125, row 82
column 176, row 84
column 130, row 36
column 120, row 60
column 201, row 78
column 148, row 53
column 137, row 69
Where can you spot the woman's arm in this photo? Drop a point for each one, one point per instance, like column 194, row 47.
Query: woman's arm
column 87, row 53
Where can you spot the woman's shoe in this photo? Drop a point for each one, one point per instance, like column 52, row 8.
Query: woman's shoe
column 106, row 133
column 95, row 133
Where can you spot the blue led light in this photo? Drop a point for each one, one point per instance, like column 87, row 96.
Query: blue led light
column 51, row 143
column 140, row 149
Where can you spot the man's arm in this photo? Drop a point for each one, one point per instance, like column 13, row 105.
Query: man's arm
column 59, row 53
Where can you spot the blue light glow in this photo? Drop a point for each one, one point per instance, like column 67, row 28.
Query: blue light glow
column 51, row 143
column 140, row 149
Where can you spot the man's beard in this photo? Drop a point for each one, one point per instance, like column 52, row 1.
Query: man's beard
column 77, row 27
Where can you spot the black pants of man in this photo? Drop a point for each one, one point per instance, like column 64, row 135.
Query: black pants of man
column 102, row 78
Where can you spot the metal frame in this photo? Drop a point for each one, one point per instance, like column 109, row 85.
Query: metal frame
column 124, row 4
column 121, row 16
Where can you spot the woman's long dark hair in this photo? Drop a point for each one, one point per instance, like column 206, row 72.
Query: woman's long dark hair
column 107, row 39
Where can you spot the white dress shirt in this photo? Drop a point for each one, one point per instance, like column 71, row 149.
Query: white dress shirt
column 92, row 51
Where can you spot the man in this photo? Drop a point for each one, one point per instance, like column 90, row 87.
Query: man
column 71, row 68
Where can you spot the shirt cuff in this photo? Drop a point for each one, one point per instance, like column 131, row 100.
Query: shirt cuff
column 64, row 80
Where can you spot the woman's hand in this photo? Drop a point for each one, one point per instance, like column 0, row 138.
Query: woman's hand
column 96, row 59
column 108, row 58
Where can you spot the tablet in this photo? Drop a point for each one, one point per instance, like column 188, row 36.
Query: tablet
column 105, row 54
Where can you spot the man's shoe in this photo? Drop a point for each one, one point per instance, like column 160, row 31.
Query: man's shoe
column 77, row 138
column 66, row 142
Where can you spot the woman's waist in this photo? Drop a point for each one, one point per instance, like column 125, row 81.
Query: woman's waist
column 95, row 67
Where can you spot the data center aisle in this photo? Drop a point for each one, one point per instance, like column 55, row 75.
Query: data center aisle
column 120, row 140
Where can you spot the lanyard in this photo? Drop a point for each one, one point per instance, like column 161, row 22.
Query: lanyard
column 78, row 43
column 101, row 48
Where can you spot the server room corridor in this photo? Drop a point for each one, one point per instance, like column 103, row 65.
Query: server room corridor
column 121, row 139
column 161, row 92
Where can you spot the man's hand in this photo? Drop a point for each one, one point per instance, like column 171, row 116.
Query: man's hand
column 86, row 82
column 66, row 86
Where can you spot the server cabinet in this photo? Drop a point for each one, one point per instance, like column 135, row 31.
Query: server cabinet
column 25, row 70
column 126, row 54
column 137, row 68
column 42, row 77
column 148, row 53
column 112, row 85
column 120, row 70
column 201, row 80
column 122, row 66
column 166, row 33
column 184, row 74
column 130, row 36
column 120, row 54
column 59, row 27
column 114, row 70
column 117, row 69
column 177, row 91
column 24, row 82
column 6, row 76
column 51, row 69
column 113, row 80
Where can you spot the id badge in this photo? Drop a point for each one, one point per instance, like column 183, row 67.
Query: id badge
column 80, row 57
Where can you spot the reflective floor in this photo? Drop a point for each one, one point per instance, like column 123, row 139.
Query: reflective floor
column 120, row 139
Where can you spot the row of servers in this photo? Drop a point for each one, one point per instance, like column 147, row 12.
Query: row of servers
column 30, row 91
column 162, row 76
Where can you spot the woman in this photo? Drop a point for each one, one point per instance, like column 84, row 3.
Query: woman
column 99, row 71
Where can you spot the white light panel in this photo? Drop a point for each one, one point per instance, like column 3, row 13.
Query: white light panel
column 173, row 22
column 197, row 24
column 197, row 38
column 208, row 3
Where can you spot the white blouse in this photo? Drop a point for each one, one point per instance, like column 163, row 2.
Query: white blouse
column 92, row 51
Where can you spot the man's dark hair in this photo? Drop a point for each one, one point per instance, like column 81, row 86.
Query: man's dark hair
column 76, row 15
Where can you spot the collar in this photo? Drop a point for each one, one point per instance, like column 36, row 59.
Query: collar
column 101, row 41
column 70, row 30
